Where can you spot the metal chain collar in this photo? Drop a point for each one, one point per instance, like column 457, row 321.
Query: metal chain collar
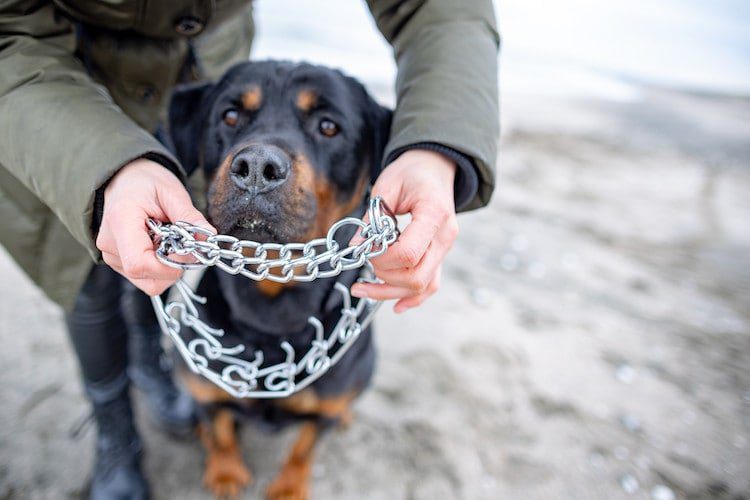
column 319, row 258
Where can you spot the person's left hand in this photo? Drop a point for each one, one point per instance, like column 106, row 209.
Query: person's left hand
column 418, row 182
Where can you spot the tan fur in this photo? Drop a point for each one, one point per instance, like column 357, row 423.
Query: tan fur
column 252, row 98
column 306, row 99
column 226, row 474
column 293, row 481
column 202, row 390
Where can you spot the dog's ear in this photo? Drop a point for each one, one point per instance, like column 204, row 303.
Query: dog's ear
column 381, row 130
column 377, row 126
column 187, row 114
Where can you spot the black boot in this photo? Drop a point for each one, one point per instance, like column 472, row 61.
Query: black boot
column 170, row 408
column 117, row 472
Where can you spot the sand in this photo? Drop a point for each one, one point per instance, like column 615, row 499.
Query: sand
column 591, row 338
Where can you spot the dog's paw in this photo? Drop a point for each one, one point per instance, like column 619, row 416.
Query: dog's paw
column 226, row 475
column 291, row 484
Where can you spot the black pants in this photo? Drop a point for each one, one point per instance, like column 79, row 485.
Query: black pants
column 98, row 323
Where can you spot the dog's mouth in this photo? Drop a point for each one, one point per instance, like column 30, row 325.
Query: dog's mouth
column 256, row 229
column 254, row 226
column 275, row 220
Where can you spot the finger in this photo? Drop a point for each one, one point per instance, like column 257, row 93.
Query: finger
column 177, row 206
column 136, row 252
column 390, row 195
column 417, row 278
column 149, row 286
column 152, row 287
column 417, row 300
column 411, row 246
column 358, row 238
column 380, row 291
column 112, row 261
column 104, row 241
column 385, row 291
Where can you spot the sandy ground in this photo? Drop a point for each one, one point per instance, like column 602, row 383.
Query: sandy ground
column 591, row 339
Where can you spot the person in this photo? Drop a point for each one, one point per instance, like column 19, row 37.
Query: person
column 84, row 88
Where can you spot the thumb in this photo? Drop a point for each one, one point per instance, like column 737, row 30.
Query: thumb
column 389, row 192
column 177, row 206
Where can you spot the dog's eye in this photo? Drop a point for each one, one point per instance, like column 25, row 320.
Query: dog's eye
column 328, row 128
column 230, row 117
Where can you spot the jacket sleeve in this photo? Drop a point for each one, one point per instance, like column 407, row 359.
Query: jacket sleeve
column 447, row 88
column 61, row 134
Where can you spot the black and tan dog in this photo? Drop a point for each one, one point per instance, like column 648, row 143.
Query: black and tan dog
column 287, row 149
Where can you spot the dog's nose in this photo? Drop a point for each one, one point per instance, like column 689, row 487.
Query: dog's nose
column 260, row 168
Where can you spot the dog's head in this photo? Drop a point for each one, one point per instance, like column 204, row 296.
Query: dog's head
column 288, row 149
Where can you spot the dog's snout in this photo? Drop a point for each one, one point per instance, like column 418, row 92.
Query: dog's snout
column 260, row 168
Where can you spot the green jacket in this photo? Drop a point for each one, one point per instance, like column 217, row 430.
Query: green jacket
column 84, row 84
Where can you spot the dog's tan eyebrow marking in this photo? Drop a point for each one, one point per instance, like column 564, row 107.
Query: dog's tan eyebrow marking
column 306, row 99
column 252, row 98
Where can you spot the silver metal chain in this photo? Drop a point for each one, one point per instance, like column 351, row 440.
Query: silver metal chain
column 319, row 258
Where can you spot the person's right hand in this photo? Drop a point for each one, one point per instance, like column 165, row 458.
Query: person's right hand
column 142, row 189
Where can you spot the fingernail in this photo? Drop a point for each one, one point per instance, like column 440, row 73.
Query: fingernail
column 400, row 308
column 359, row 293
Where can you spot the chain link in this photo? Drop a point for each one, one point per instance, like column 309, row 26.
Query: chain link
column 319, row 258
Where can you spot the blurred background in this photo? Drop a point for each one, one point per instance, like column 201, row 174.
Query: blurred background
column 592, row 336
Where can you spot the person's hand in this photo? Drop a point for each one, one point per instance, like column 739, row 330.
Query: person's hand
column 140, row 190
column 419, row 182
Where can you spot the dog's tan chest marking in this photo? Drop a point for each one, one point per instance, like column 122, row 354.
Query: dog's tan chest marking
column 270, row 288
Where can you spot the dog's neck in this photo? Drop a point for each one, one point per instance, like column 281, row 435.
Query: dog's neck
column 245, row 311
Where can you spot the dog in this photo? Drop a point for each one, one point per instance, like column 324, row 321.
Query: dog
column 287, row 150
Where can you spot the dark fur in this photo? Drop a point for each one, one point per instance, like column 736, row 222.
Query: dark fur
column 288, row 213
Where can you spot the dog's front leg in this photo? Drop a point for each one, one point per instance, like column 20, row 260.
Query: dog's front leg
column 293, row 481
column 226, row 474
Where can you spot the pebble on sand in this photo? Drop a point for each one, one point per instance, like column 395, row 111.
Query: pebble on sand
column 481, row 297
column 629, row 484
column 509, row 262
column 621, row 452
column 630, row 422
column 537, row 270
column 519, row 243
column 625, row 373
column 661, row 492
